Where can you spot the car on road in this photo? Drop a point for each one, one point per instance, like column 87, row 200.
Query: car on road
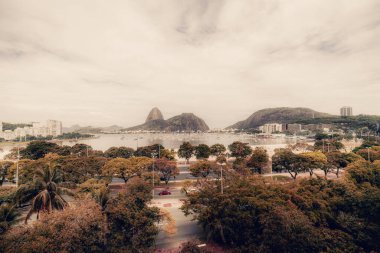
column 165, row 192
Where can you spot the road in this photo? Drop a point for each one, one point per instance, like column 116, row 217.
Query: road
column 185, row 228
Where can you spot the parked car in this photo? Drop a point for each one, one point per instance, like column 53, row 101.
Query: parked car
column 165, row 192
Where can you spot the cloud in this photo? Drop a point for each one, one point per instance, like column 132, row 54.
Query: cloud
column 101, row 62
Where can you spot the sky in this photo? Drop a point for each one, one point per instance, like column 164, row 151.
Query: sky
column 102, row 62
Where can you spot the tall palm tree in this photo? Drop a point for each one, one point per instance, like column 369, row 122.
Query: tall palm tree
column 45, row 192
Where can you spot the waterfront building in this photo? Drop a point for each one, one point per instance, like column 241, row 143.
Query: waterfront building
column 271, row 128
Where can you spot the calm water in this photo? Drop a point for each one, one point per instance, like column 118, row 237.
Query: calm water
column 169, row 140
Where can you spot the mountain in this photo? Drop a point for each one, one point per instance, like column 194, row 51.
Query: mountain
column 186, row 122
column 155, row 114
column 91, row 129
column 278, row 115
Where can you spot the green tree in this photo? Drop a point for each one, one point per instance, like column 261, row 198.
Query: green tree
column 285, row 159
column 8, row 216
column 126, row 168
column 202, row 151
column 38, row 149
column 258, row 160
column 4, row 167
column 202, row 168
column 167, row 168
column 239, row 149
column 131, row 224
column 314, row 160
column 217, row 149
column 186, row 150
column 81, row 149
column 121, row 152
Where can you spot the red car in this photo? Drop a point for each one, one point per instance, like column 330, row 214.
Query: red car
column 165, row 192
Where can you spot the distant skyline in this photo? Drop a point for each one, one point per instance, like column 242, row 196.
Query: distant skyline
column 100, row 63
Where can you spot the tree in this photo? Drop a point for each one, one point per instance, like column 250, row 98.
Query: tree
column 78, row 228
column 45, row 192
column 217, row 149
column 186, row 151
column 314, row 160
column 202, row 151
column 8, row 216
column 81, row 149
column 126, row 168
column 336, row 160
column 131, row 224
column 167, row 168
column 285, row 159
column 148, row 151
column 4, row 167
column 38, row 149
column 119, row 152
column 258, row 160
column 239, row 149
column 79, row 169
column 202, row 168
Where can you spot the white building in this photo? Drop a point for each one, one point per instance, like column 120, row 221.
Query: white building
column 346, row 111
column 54, row 127
column 271, row 128
column 51, row 128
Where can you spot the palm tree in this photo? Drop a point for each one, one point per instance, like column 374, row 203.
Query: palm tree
column 45, row 192
column 8, row 216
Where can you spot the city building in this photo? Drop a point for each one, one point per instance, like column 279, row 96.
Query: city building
column 271, row 128
column 292, row 128
column 51, row 128
column 346, row 111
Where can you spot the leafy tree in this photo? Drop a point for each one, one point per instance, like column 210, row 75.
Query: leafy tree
column 79, row 169
column 131, row 224
column 217, row 149
column 38, row 149
column 258, row 160
column 372, row 154
column 148, row 151
column 78, row 228
column 167, row 168
column 239, row 149
column 314, row 160
column 337, row 160
column 4, row 167
column 81, row 149
column 285, row 159
column 202, row 168
column 202, row 151
column 121, row 152
column 126, row 168
column 186, row 150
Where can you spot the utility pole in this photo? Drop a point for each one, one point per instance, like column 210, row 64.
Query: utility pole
column 17, row 164
column 153, row 156
column 369, row 158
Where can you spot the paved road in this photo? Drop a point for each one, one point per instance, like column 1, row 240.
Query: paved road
column 186, row 229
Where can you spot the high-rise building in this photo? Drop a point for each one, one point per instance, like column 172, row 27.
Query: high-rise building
column 54, row 127
column 346, row 111
column 271, row 128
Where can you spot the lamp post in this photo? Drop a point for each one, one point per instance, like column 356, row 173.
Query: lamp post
column 153, row 157
column 369, row 157
column 137, row 141
column 221, row 176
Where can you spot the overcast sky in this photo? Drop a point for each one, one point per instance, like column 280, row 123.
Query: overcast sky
column 102, row 62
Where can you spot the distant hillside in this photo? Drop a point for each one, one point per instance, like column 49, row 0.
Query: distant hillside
column 90, row 129
column 278, row 115
column 185, row 122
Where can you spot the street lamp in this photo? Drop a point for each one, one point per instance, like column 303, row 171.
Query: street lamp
column 154, row 155
column 369, row 158
column 221, row 176
column 137, row 141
